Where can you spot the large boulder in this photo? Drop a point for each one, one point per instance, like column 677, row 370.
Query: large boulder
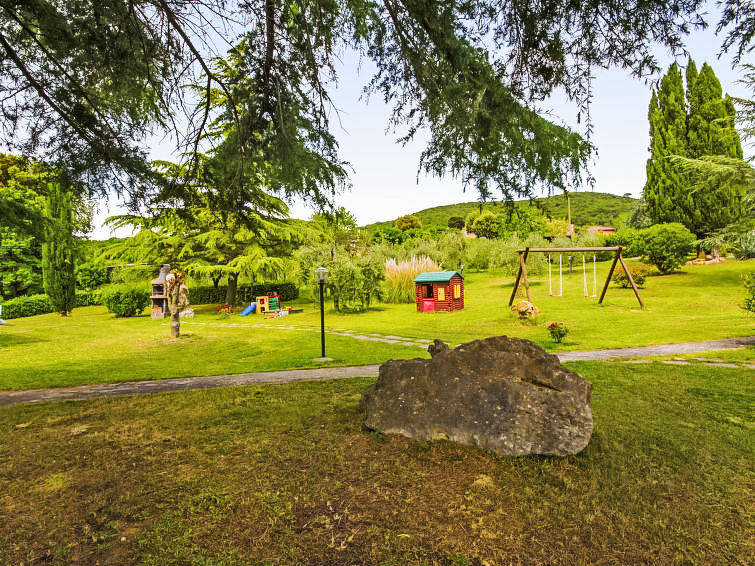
column 503, row 394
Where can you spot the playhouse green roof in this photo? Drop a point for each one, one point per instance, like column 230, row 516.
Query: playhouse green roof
column 436, row 276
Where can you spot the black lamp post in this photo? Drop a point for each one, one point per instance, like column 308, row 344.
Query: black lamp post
column 322, row 274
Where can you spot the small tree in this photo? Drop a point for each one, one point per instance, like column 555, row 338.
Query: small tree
column 408, row 222
column 666, row 245
column 486, row 225
column 58, row 268
column 455, row 222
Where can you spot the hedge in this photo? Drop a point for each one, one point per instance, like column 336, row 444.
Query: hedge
column 126, row 300
column 209, row 295
column 32, row 305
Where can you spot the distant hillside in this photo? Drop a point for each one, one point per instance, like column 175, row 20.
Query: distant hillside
column 587, row 209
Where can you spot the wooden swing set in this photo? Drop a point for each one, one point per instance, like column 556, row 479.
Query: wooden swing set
column 521, row 275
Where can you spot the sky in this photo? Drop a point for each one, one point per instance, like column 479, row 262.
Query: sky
column 384, row 178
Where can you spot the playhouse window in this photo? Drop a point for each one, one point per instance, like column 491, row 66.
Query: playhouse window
column 427, row 291
column 441, row 293
column 457, row 291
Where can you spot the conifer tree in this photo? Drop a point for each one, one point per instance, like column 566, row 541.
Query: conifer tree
column 58, row 249
column 668, row 127
column 704, row 126
column 710, row 126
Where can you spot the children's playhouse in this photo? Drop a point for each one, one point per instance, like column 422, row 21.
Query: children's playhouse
column 439, row 291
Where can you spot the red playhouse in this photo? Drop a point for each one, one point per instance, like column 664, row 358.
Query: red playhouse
column 439, row 291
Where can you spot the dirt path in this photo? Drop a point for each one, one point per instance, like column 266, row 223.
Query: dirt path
column 211, row 381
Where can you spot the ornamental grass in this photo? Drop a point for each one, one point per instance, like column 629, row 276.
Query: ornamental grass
column 399, row 278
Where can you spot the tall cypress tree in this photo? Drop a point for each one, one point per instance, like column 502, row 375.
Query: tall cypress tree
column 58, row 249
column 668, row 128
column 710, row 126
column 702, row 126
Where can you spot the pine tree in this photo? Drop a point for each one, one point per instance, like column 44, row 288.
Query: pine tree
column 58, row 268
column 668, row 128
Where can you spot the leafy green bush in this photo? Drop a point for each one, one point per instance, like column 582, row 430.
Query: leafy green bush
column 558, row 331
column 745, row 248
column 408, row 221
column 750, row 297
column 32, row 305
column 88, row 298
column 478, row 253
column 486, row 225
column 29, row 305
column 628, row 239
column 455, row 222
column 666, row 245
column 90, row 276
column 125, row 300
column 639, row 274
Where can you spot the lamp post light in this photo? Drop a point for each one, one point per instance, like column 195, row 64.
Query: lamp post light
column 322, row 274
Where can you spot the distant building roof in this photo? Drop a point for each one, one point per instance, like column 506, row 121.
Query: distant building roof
column 436, row 276
column 599, row 229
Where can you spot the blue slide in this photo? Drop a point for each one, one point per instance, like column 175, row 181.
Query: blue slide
column 250, row 309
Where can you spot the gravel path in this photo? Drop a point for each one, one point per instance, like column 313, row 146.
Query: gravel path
column 211, row 381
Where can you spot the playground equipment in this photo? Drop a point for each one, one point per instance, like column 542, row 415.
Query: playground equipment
column 268, row 303
column 522, row 273
column 594, row 277
column 249, row 309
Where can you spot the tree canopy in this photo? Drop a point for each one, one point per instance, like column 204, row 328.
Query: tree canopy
column 83, row 84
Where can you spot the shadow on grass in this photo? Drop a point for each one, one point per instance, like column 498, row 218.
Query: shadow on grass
column 16, row 340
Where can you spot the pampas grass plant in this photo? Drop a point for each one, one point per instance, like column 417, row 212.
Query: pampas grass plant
column 399, row 278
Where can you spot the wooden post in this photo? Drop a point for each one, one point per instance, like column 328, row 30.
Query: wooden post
column 519, row 274
column 610, row 272
column 631, row 280
column 523, row 266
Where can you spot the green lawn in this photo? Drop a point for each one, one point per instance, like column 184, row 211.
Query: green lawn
column 287, row 475
column 92, row 346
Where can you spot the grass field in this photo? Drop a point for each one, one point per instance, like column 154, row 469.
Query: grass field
column 92, row 346
column 287, row 475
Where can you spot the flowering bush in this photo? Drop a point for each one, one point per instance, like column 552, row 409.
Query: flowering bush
column 558, row 331
column 639, row 274
column 224, row 311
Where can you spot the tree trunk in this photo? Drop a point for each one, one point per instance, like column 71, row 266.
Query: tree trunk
column 175, row 324
column 230, row 294
column 216, row 281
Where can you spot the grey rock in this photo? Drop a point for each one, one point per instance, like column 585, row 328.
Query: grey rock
column 503, row 394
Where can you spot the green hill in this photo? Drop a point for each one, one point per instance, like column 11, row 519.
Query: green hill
column 587, row 209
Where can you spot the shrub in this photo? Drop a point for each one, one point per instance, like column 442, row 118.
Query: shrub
column 479, row 252
column 558, row 331
column 486, row 225
column 207, row 294
column 90, row 276
column 750, row 287
column 666, row 245
column 746, row 246
column 453, row 250
column 407, row 222
column 455, row 222
column 88, row 298
column 399, row 284
column 125, row 300
column 639, row 274
column 628, row 239
column 29, row 305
